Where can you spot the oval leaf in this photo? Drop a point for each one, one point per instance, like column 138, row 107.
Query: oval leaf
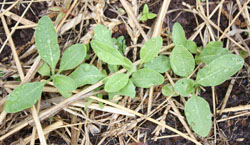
column 116, row 82
column 150, row 49
column 46, row 42
column 44, row 69
column 23, row 97
column 151, row 15
column 109, row 54
column 178, row 34
column 72, row 57
column 212, row 51
column 65, row 94
column 219, row 70
column 198, row 115
column 64, row 83
column 168, row 90
column 146, row 78
column 102, row 34
column 191, row 46
column 184, row 86
column 128, row 90
column 86, row 74
column 182, row 61
column 145, row 9
column 160, row 64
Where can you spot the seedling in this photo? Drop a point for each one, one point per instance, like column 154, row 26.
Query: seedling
column 146, row 15
column 220, row 64
column 121, row 83
column 26, row 95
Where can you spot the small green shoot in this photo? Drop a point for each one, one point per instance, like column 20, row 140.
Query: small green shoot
column 146, row 15
column 26, row 95
column 220, row 65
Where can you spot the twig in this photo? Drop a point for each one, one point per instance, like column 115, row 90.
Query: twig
column 235, row 116
column 214, row 112
column 17, row 23
column 38, row 126
column 181, row 118
column 147, row 118
column 131, row 14
column 235, row 109
column 229, row 89
column 13, row 49
column 9, row 8
column 160, row 18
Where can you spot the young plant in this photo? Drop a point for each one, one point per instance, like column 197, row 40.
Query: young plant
column 27, row 94
column 220, row 65
column 146, row 15
column 123, row 83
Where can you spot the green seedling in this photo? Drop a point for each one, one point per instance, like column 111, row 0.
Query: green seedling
column 146, row 15
column 220, row 65
column 27, row 94
column 105, row 48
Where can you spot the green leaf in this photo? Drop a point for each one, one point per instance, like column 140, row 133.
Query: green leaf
column 215, row 44
column 168, row 90
column 178, row 35
column 212, row 51
column 219, row 70
column 143, row 18
column 46, row 42
column 86, row 106
column 102, row 34
column 72, row 57
column 160, row 64
column 101, row 105
column 128, row 90
column 145, row 9
column 146, row 78
column 1, row 73
column 109, row 54
column 243, row 54
column 113, row 68
column 182, row 61
column 44, row 69
column 151, row 15
column 65, row 94
column 64, row 83
column 184, row 86
column 23, row 97
column 86, row 74
column 120, row 43
column 198, row 115
column 116, row 82
column 59, row 17
column 150, row 49
column 111, row 95
column 191, row 46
